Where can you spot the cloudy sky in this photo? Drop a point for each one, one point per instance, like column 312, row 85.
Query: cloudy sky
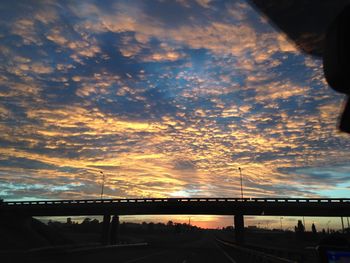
column 167, row 98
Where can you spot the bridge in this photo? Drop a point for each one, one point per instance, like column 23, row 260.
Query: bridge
column 237, row 207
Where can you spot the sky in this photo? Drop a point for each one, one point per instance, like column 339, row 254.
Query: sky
column 167, row 99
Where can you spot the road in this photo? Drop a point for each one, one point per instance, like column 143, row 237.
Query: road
column 205, row 249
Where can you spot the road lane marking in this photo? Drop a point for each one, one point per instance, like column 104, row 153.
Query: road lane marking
column 226, row 255
column 144, row 257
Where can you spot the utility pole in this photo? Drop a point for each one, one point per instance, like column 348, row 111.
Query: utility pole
column 240, row 173
column 103, row 183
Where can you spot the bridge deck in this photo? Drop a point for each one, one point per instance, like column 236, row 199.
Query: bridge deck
column 214, row 206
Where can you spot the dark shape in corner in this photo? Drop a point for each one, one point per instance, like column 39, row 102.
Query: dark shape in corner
column 318, row 28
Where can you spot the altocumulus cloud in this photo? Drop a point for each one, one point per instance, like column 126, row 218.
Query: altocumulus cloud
column 163, row 104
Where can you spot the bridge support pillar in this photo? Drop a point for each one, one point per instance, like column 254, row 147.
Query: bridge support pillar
column 115, row 230
column 105, row 229
column 239, row 228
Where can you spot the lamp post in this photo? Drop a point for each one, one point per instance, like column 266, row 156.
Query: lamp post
column 103, row 183
column 240, row 174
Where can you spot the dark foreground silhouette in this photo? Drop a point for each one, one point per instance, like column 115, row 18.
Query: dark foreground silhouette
column 29, row 240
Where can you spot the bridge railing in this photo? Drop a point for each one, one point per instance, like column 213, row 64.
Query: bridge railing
column 178, row 200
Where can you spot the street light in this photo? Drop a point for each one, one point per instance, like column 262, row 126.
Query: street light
column 240, row 173
column 103, row 183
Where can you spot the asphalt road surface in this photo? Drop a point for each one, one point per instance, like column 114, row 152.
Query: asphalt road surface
column 204, row 249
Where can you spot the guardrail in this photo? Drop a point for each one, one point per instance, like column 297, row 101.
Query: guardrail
column 179, row 200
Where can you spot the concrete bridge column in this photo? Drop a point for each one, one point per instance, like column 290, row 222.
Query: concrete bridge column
column 115, row 230
column 239, row 228
column 105, row 229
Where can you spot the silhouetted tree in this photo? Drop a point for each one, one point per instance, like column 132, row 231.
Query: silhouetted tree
column 313, row 227
column 86, row 221
column 299, row 230
column 229, row 228
column 300, row 227
column 178, row 228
